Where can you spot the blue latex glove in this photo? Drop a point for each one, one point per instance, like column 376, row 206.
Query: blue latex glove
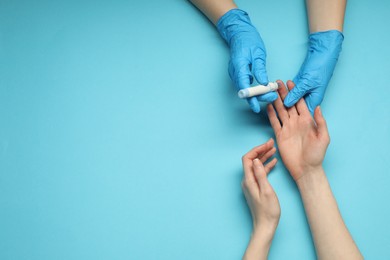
column 247, row 54
column 317, row 69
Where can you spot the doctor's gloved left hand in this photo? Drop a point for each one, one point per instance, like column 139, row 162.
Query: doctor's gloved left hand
column 317, row 69
column 247, row 54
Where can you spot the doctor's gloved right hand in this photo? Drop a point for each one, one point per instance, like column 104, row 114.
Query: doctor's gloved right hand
column 247, row 54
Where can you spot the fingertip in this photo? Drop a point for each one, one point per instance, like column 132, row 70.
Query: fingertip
column 312, row 112
column 318, row 113
column 256, row 162
column 280, row 83
column 274, row 161
column 271, row 164
column 254, row 104
column 317, row 110
column 290, row 100
column 290, row 84
column 256, row 109
column 262, row 78
column 321, row 123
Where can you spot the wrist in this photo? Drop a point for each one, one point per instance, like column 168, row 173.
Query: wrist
column 331, row 39
column 259, row 245
column 232, row 21
column 264, row 233
column 311, row 179
column 265, row 229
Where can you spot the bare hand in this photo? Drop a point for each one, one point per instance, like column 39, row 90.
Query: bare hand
column 260, row 195
column 302, row 141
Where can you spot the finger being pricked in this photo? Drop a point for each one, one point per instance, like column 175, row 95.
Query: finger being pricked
column 281, row 110
column 300, row 105
column 292, row 111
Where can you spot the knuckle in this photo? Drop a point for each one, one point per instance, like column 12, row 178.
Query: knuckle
column 267, row 192
column 327, row 138
column 306, row 120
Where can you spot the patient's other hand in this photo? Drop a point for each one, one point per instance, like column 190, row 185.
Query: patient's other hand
column 261, row 197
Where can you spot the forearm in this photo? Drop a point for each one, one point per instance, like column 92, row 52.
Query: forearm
column 214, row 9
column 259, row 245
column 331, row 237
column 326, row 15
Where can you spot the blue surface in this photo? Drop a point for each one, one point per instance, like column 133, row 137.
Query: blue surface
column 121, row 134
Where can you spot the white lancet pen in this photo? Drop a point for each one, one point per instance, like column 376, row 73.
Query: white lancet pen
column 257, row 90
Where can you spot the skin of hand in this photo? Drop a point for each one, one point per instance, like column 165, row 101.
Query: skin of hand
column 261, row 199
column 302, row 144
column 247, row 54
column 302, row 141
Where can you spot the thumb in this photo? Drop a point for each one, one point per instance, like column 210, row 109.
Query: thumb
column 268, row 97
column 242, row 78
column 295, row 94
column 259, row 71
column 320, row 122
column 243, row 81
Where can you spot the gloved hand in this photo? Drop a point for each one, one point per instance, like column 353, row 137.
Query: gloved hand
column 247, row 54
column 317, row 69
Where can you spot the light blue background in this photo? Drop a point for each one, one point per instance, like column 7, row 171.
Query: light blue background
column 121, row 135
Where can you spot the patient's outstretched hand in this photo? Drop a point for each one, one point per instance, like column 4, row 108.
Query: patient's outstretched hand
column 302, row 141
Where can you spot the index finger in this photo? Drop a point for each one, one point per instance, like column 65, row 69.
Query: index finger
column 292, row 111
